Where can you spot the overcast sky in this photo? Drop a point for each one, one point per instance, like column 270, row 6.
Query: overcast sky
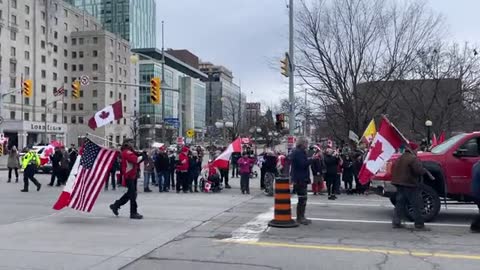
column 250, row 36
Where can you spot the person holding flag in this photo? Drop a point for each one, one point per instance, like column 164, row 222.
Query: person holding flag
column 129, row 167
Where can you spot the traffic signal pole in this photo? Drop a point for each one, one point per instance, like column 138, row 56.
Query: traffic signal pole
column 291, row 62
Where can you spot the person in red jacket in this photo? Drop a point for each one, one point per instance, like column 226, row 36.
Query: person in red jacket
column 182, row 171
column 129, row 168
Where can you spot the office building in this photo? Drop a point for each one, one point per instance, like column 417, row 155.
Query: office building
column 253, row 114
column 133, row 20
column 184, row 93
column 51, row 43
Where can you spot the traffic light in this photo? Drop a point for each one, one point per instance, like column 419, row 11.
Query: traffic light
column 280, row 123
column 285, row 66
column 155, row 90
column 76, row 89
column 27, row 90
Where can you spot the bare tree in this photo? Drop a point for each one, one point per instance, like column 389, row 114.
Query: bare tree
column 232, row 111
column 344, row 43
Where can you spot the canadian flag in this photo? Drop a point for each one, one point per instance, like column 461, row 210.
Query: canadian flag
column 222, row 161
column 106, row 115
column 384, row 145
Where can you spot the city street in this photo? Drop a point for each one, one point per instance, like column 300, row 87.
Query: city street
column 224, row 231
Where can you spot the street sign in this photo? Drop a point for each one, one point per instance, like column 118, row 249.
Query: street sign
column 1, row 120
column 84, row 80
column 190, row 133
column 170, row 119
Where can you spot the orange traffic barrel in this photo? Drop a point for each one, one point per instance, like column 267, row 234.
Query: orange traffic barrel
column 283, row 206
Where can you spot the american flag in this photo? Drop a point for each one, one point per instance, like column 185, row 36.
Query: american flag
column 58, row 92
column 93, row 171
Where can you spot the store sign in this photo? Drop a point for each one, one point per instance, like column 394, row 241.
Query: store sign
column 41, row 127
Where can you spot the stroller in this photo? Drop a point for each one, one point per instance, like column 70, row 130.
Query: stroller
column 209, row 180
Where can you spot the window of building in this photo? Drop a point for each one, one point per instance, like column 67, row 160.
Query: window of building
column 55, row 35
column 86, row 23
column 95, row 67
column 94, row 107
column 12, row 115
column 13, row 52
column 117, row 139
column 80, row 67
column 111, row 42
column 111, row 55
column 26, row 116
column 13, row 99
column 95, row 78
column 44, row 59
column 80, row 54
column 65, row 79
column 43, row 102
column 95, row 40
column 56, row 20
column 65, row 39
column 65, row 66
column 14, row 3
column 44, row 117
column 65, row 13
column 44, row 88
column 65, row 92
column 27, row 24
column 111, row 68
column 80, row 107
column 95, row 27
column 55, row 118
column 54, row 105
column 81, row 94
column 13, row 19
column 55, row 48
column 13, row 68
column 94, row 93
column 65, row 120
column 76, row 29
column 44, row 30
column 74, row 41
column 27, row 55
column 74, row 119
column 125, row 97
column 27, row 9
column 13, row 35
column 74, row 55
column 111, row 94
column 80, row 120
column 74, row 107
column 56, row 7
column 42, row 44
column 125, row 73
column 80, row 41
column 119, row 95
column 65, row 26
column 65, row 106
column 44, row 15
column 55, row 62
column 55, row 76
column 13, row 82
column 95, row 53
column 124, row 108
column 74, row 67
column 44, row 74
column 65, row 53
column 27, row 40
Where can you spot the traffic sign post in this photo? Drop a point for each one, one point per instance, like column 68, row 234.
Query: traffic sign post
column 84, row 80
column 190, row 133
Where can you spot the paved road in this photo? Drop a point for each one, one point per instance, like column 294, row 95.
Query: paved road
column 224, row 231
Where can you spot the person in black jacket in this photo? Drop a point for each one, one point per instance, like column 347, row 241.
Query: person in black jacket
column 163, row 166
column 172, row 164
column 56, row 170
column 300, row 174
column 234, row 162
column 331, row 164
column 72, row 156
column 347, row 175
column 318, row 169
column 195, row 169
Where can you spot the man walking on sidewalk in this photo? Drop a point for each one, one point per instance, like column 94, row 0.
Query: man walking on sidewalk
column 30, row 163
column 300, row 173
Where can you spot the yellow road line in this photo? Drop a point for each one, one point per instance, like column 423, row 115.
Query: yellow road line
column 358, row 249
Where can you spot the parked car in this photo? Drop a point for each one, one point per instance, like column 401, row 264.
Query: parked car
column 45, row 163
column 450, row 163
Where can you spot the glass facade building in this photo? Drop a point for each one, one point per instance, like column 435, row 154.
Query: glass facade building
column 133, row 20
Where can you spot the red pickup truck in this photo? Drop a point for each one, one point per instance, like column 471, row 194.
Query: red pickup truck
column 450, row 163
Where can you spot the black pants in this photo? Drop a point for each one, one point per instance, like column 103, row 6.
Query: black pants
column 130, row 195
column 195, row 179
column 29, row 174
column 336, row 186
column 262, row 178
column 55, row 174
column 331, row 179
column 10, row 173
column 113, row 180
column 301, row 190
column 172, row 178
column 348, row 181
column 234, row 170
column 408, row 196
column 182, row 181
column 224, row 174
column 245, row 182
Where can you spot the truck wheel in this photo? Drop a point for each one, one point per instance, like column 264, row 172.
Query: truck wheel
column 431, row 204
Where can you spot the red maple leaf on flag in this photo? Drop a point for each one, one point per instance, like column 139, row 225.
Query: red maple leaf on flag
column 376, row 151
column 104, row 114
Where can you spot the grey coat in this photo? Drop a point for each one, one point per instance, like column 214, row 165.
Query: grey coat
column 13, row 160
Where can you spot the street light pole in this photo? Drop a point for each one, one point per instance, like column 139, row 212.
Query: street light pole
column 163, row 81
column 291, row 95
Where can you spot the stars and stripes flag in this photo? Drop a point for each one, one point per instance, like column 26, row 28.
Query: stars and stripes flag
column 87, row 178
column 58, row 92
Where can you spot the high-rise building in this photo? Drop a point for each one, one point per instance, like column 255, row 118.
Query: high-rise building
column 184, row 100
column 52, row 43
column 133, row 20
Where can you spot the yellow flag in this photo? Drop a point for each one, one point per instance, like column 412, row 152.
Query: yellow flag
column 370, row 132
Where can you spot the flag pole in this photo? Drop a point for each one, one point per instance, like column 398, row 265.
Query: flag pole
column 101, row 138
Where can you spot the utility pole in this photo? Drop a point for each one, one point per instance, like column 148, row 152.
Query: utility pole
column 291, row 62
column 162, row 83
